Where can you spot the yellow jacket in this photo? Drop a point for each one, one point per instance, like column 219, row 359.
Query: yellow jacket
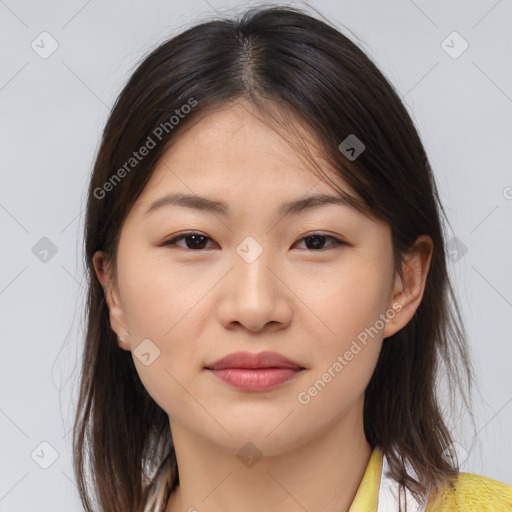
column 472, row 493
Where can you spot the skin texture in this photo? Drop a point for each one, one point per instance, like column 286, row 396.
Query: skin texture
column 197, row 305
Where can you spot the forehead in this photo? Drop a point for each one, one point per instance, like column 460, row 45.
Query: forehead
column 234, row 152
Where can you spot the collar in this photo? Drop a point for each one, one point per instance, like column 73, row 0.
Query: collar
column 379, row 492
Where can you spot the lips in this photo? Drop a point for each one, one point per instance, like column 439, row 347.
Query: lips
column 251, row 360
column 255, row 372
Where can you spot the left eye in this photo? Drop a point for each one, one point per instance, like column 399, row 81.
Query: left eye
column 316, row 240
column 197, row 241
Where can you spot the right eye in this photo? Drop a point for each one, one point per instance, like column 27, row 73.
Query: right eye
column 193, row 240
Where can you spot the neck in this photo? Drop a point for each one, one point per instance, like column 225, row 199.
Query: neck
column 322, row 473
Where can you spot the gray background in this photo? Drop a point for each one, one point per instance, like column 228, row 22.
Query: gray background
column 53, row 110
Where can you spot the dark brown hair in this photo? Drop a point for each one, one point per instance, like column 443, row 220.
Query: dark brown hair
column 290, row 66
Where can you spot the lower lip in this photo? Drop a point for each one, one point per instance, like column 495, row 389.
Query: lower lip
column 262, row 379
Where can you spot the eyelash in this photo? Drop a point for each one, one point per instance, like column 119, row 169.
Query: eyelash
column 172, row 241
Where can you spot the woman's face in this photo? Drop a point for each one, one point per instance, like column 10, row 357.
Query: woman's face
column 254, row 283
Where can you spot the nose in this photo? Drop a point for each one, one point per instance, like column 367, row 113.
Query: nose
column 255, row 295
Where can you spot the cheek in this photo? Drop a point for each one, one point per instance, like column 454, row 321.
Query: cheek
column 348, row 341
column 350, row 303
column 346, row 353
column 163, row 304
column 159, row 297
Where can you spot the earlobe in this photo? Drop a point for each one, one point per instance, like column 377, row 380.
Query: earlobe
column 408, row 292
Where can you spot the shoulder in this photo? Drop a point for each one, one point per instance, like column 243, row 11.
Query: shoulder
column 473, row 493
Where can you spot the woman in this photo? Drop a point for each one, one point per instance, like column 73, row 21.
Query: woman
column 269, row 301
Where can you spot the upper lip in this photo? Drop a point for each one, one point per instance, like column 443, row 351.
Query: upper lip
column 254, row 360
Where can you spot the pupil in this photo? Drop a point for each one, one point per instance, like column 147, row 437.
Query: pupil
column 198, row 241
column 316, row 244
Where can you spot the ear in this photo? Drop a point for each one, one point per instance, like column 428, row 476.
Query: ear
column 105, row 276
column 408, row 294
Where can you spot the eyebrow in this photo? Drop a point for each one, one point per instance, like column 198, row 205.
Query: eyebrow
column 218, row 207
